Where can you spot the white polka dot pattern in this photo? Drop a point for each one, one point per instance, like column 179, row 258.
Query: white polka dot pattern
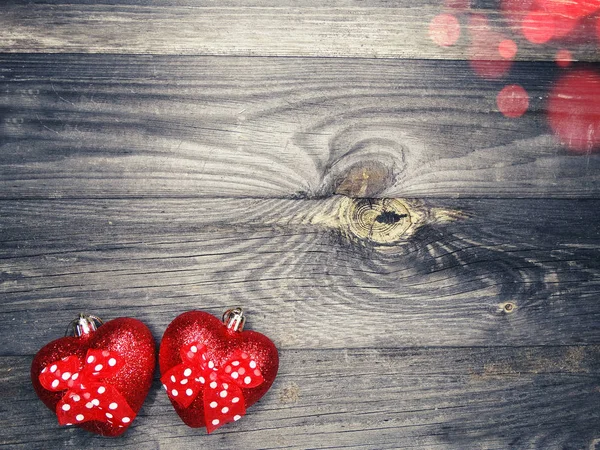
column 220, row 385
column 87, row 397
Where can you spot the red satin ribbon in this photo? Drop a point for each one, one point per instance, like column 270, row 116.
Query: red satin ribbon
column 87, row 397
column 221, row 386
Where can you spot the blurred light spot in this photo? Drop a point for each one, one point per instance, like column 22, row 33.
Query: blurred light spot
column 512, row 101
column 507, row 49
column 484, row 52
column 563, row 58
column 574, row 111
column 444, row 30
column 574, row 9
column 488, row 68
column 542, row 20
column 538, row 27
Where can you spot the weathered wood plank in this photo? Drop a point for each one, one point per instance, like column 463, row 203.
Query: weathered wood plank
column 397, row 30
column 114, row 126
column 531, row 397
column 446, row 279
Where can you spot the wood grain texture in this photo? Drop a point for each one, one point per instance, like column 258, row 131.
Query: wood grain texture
column 397, row 30
column 530, row 397
column 442, row 283
column 429, row 269
column 114, row 126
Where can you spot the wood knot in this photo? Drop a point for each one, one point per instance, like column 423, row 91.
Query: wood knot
column 381, row 221
column 365, row 180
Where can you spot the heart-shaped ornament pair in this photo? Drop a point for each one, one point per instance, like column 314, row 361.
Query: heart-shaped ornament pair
column 99, row 378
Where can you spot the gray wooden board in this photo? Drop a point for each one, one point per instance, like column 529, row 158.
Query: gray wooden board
column 454, row 398
column 117, row 126
column 306, row 281
column 331, row 29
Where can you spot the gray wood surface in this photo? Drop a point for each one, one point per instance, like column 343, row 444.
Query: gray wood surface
column 440, row 283
column 428, row 268
column 116, row 126
column 347, row 28
column 366, row 398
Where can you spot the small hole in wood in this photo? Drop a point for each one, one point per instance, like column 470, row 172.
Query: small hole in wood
column 509, row 307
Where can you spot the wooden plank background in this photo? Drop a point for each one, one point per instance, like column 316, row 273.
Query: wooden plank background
column 428, row 268
column 334, row 28
column 133, row 126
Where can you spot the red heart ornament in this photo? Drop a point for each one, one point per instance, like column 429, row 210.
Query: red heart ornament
column 212, row 370
column 99, row 378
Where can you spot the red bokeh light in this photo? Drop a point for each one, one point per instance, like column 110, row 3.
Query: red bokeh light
column 484, row 54
column 444, row 30
column 543, row 20
column 512, row 101
column 538, row 27
column 507, row 49
column 563, row 58
column 571, row 9
column 574, row 110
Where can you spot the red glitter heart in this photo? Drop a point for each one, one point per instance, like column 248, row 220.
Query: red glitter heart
column 99, row 379
column 212, row 370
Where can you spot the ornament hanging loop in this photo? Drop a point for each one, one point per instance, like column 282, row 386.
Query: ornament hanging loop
column 83, row 325
column 234, row 319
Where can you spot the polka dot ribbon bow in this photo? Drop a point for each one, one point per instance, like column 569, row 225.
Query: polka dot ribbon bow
column 221, row 386
column 87, row 397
